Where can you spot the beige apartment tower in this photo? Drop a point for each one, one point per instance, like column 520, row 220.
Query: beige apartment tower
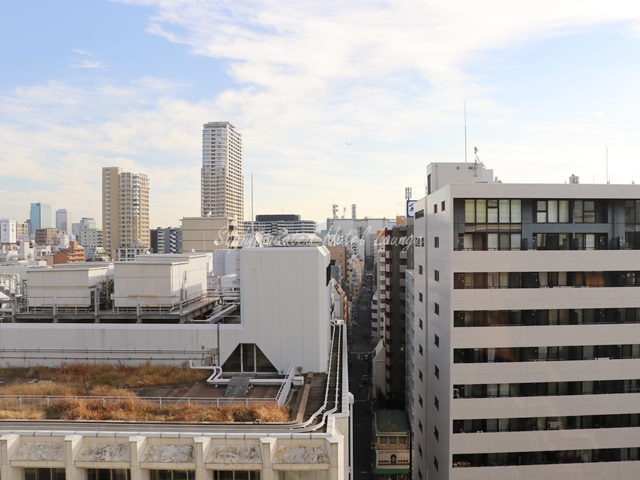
column 125, row 210
column 222, row 186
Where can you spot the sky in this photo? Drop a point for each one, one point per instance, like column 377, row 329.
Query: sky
column 337, row 102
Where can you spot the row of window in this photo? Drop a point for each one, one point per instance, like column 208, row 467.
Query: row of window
column 504, row 241
column 579, row 422
column 546, row 353
column 124, row 474
column 575, row 316
column 481, row 280
column 506, row 210
column 546, row 389
column 546, row 458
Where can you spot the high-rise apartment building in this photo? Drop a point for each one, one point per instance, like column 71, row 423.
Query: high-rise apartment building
column 525, row 329
column 222, row 186
column 125, row 210
column 40, row 217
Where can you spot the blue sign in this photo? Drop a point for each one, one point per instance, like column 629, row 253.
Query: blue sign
column 411, row 207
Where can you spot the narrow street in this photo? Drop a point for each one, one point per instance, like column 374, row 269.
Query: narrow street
column 359, row 339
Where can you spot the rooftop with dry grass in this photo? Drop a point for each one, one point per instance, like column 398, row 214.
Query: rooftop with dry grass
column 153, row 393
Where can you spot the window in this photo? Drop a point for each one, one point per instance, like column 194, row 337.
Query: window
column 436, row 309
column 420, row 269
column 436, row 340
column 420, row 450
column 420, row 297
column 435, row 463
column 420, row 403
column 442, row 206
column 436, row 275
column 436, row 433
column 172, row 475
column 436, row 242
column 420, row 350
column 584, row 211
column 420, row 375
column 436, row 403
column 436, row 371
column 107, row 474
column 420, row 323
column 435, row 208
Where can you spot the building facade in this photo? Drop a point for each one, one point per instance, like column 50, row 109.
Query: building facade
column 222, row 184
column 279, row 223
column 125, row 210
column 526, row 327
column 166, row 240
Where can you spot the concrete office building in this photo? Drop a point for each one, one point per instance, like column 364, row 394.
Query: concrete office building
column 526, row 324
column 205, row 234
column 222, row 183
column 125, row 212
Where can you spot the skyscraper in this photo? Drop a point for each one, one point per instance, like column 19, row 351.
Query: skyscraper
column 125, row 210
column 40, row 216
column 222, row 188
column 63, row 220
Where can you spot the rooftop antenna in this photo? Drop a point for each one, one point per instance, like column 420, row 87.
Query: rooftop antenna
column 465, row 132
column 477, row 160
column 252, row 217
column 606, row 155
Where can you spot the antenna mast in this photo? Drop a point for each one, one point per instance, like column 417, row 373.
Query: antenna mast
column 465, row 132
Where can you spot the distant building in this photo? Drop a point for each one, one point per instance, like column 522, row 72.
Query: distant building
column 46, row 236
column 73, row 254
column 392, row 446
column 280, row 223
column 40, row 217
column 205, row 234
column 86, row 232
column 166, row 240
column 125, row 211
column 222, row 183
column 8, row 231
column 63, row 221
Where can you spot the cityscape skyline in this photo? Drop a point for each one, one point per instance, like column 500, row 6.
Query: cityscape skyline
column 335, row 94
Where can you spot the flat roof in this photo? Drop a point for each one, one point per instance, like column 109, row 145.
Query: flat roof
column 391, row 421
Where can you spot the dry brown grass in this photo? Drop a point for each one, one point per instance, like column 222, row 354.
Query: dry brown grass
column 102, row 381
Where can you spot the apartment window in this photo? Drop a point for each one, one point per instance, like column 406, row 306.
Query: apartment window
column 172, row 475
column 435, row 208
column 436, row 371
column 420, row 375
column 436, row 275
column 492, row 211
column 435, row 463
column 420, row 269
column 420, row 426
column 436, row 433
column 436, row 308
column 420, row 297
column 420, row 450
column 442, row 206
column 436, row 403
column 584, row 211
column 552, row 211
column 420, row 323
column 436, row 340
column 436, row 242
column 420, row 350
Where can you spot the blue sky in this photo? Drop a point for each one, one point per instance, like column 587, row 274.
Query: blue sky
column 338, row 102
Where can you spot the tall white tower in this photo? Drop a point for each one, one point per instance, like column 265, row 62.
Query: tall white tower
column 222, row 186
